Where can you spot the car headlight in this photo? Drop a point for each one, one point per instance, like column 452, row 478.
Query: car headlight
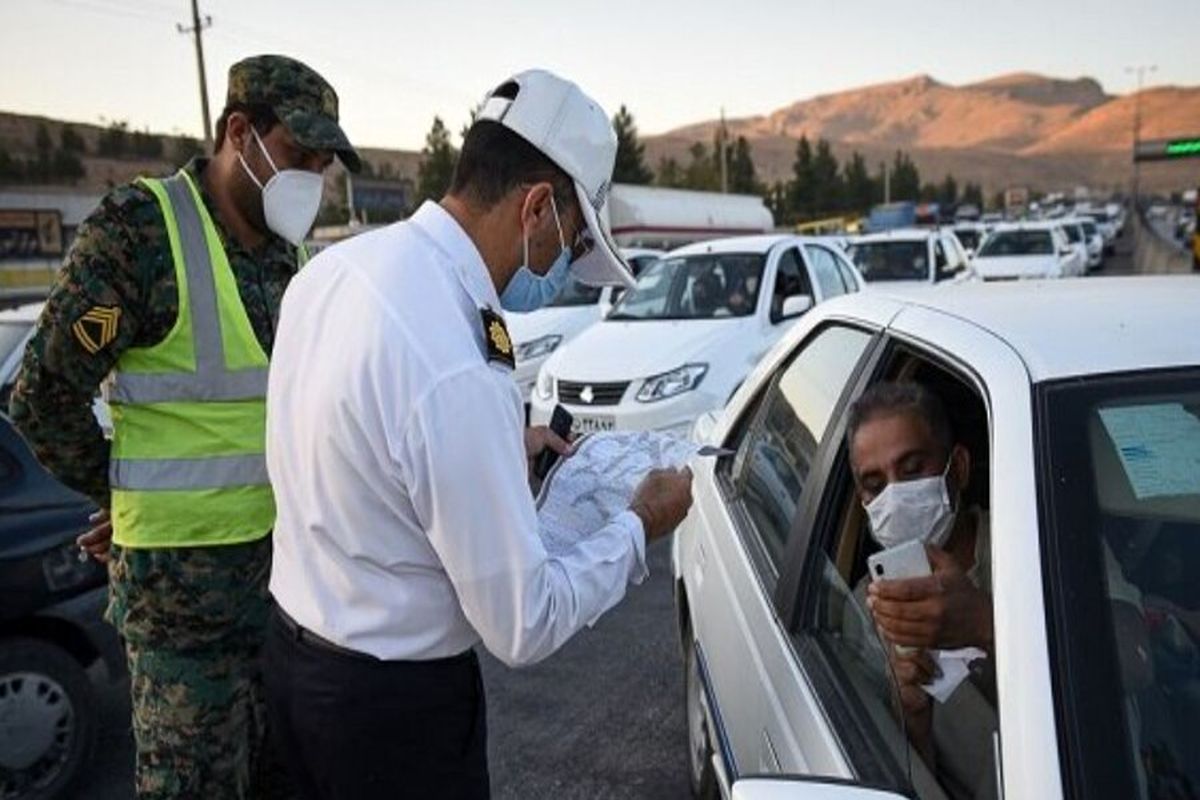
column 669, row 384
column 541, row 346
column 545, row 385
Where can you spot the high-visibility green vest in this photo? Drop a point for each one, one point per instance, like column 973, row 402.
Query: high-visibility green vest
column 188, row 464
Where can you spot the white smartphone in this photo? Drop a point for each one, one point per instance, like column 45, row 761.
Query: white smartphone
column 908, row 560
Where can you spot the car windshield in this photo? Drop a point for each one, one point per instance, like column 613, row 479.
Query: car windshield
column 1089, row 228
column 1124, row 491
column 1018, row 243
column 1073, row 234
column 704, row 286
column 892, row 261
column 574, row 293
column 969, row 237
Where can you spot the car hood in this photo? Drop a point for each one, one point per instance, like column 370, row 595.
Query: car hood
column 615, row 350
column 566, row 321
column 1014, row 266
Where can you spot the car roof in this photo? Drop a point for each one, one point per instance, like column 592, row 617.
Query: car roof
column 1070, row 327
column 739, row 244
column 896, row 235
column 26, row 312
column 1029, row 225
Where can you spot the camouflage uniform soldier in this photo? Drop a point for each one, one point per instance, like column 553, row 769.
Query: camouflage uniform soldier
column 172, row 290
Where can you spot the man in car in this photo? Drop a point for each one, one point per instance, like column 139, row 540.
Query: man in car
column 910, row 475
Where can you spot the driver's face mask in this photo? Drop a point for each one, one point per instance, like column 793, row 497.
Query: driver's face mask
column 910, row 510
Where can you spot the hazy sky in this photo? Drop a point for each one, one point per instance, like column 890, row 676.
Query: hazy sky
column 396, row 64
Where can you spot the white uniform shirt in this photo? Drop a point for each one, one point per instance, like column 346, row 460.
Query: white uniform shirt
column 406, row 528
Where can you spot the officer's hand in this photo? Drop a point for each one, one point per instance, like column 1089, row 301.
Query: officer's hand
column 97, row 540
column 539, row 438
column 662, row 500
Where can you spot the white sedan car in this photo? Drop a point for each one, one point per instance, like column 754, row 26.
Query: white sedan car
column 680, row 341
column 1083, row 423
column 1022, row 250
column 17, row 326
column 537, row 334
column 911, row 257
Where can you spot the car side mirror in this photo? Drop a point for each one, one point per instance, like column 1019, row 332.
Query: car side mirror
column 1066, row 251
column 702, row 431
column 794, row 306
column 802, row 788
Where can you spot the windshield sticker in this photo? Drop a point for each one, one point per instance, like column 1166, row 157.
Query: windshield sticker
column 1159, row 447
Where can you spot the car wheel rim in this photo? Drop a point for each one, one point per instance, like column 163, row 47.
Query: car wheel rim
column 37, row 728
column 697, row 727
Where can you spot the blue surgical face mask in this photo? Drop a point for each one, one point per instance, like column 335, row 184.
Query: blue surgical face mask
column 527, row 291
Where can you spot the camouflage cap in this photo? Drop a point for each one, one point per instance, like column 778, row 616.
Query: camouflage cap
column 302, row 100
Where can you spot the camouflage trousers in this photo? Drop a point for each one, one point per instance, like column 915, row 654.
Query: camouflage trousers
column 194, row 621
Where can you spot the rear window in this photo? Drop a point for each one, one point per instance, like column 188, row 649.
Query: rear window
column 891, row 261
column 1018, row 243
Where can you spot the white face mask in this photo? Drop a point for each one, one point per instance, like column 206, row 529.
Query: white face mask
column 291, row 198
column 910, row 510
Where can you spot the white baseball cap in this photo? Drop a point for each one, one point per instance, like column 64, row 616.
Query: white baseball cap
column 572, row 130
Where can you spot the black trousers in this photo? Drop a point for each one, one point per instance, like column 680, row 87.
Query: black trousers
column 353, row 727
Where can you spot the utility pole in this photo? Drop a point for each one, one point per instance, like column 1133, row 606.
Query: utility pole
column 887, row 182
column 196, row 30
column 1140, row 70
column 724, row 155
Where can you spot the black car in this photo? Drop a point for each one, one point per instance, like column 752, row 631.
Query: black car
column 51, row 629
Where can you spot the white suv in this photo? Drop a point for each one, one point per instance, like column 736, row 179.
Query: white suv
column 1021, row 250
column 1083, row 424
column 914, row 257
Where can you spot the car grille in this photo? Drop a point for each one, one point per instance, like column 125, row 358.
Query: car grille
column 603, row 394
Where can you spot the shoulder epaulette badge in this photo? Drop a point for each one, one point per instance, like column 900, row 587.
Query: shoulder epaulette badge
column 495, row 334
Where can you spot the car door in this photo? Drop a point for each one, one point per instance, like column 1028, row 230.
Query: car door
column 736, row 542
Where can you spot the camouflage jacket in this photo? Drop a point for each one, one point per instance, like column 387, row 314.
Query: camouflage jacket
column 120, row 259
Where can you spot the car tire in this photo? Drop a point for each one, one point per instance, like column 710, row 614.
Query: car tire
column 48, row 706
column 701, row 775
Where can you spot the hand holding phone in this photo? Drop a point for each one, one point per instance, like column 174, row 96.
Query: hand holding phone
column 560, row 422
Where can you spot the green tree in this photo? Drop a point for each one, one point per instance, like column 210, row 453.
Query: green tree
column 144, row 144
column 70, row 141
column 631, row 166
column 67, row 167
column 859, row 188
column 778, row 201
column 12, row 170
column 973, row 194
column 948, row 192
column 928, row 193
column 184, row 149
column 701, row 173
column 997, row 201
column 743, row 179
column 669, row 174
column 827, row 182
column 437, row 163
column 801, row 200
column 43, row 168
column 906, row 180
column 114, row 140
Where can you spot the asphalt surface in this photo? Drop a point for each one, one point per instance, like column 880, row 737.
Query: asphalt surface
column 601, row 718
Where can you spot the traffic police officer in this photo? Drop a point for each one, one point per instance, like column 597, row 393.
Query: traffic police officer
column 172, row 288
column 407, row 530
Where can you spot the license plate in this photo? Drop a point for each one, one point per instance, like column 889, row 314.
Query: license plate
column 592, row 424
